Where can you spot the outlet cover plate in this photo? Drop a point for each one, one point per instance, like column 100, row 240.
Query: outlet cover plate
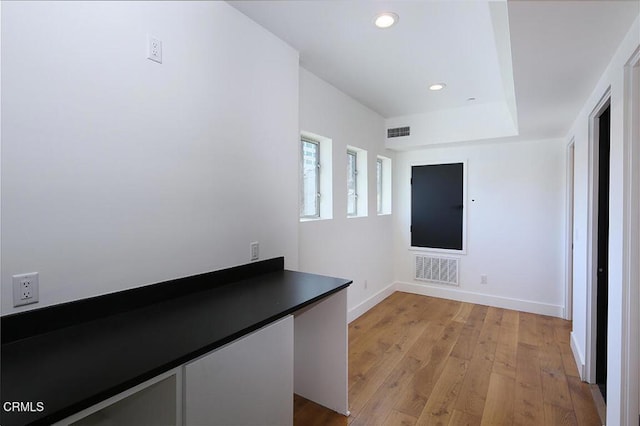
column 25, row 289
column 154, row 49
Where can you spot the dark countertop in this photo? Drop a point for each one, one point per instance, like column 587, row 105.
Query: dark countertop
column 75, row 367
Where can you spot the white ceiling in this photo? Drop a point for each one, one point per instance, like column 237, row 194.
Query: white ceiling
column 549, row 53
column 560, row 49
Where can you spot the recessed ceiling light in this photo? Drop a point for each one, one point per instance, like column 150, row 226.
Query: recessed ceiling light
column 437, row 86
column 385, row 19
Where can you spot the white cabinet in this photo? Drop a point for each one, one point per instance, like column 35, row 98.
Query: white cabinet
column 321, row 347
column 156, row 402
column 247, row 382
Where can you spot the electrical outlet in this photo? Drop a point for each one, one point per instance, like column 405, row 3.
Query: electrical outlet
column 154, row 49
column 483, row 279
column 255, row 251
column 366, row 285
column 25, row 289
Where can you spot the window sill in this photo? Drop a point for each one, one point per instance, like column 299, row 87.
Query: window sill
column 439, row 250
column 313, row 219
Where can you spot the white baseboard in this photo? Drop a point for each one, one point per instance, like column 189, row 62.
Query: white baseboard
column 577, row 356
column 369, row 303
column 481, row 299
column 463, row 296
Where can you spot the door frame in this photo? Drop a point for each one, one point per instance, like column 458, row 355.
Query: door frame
column 630, row 365
column 570, row 194
column 592, row 236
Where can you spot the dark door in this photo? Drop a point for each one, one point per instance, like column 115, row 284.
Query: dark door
column 602, row 278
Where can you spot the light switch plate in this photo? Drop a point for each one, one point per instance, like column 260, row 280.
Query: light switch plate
column 255, row 251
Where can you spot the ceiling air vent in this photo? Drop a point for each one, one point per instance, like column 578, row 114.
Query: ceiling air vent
column 398, row 131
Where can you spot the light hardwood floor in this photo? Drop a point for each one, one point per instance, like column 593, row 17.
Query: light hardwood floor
column 422, row 360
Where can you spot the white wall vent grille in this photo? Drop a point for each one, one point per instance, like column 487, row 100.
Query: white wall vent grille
column 441, row 270
column 397, row 132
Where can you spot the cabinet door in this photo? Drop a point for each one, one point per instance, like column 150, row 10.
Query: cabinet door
column 247, row 382
column 156, row 402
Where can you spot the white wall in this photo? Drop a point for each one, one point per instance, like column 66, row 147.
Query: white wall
column 620, row 390
column 118, row 171
column 358, row 248
column 482, row 121
column 515, row 214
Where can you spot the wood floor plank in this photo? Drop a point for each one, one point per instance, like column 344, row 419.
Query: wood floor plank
column 399, row 307
column 309, row 413
column 422, row 348
column 545, row 329
column 556, row 343
column 396, row 340
column 383, row 400
column 370, row 350
column 562, row 331
column 568, row 361
column 441, row 311
column 507, row 346
column 473, row 392
column 460, row 418
column 528, row 402
column 425, row 379
column 439, row 407
column 477, row 316
column 463, row 313
column 555, row 389
column 466, row 344
column 367, row 321
column 499, row 408
column 558, row 416
column 488, row 338
column 583, row 406
column 527, row 329
column 422, row 360
column 365, row 389
column 399, row 419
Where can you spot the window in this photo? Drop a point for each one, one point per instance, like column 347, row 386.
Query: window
column 356, row 182
column 310, row 185
column 379, row 185
column 383, row 185
column 316, row 187
column 352, row 183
